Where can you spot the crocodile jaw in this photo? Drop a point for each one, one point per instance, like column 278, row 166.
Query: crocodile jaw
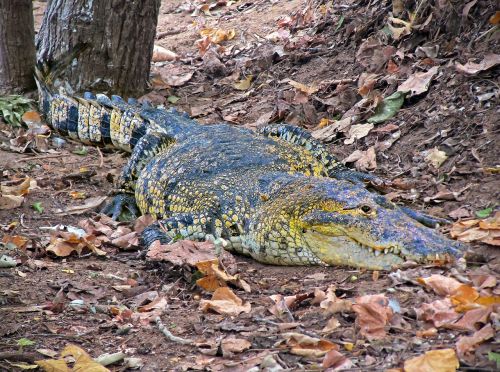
column 342, row 251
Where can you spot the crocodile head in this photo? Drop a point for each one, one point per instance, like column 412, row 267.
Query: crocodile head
column 341, row 223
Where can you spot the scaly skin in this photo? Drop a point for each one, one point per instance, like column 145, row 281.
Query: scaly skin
column 277, row 196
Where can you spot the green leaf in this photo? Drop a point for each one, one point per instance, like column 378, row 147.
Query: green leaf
column 38, row 207
column 81, row 151
column 125, row 216
column 173, row 99
column 494, row 357
column 339, row 23
column 483, row 213
column 13, row 107
column 25, row 342
column 388, row 108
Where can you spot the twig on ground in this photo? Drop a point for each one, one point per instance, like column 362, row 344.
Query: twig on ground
column 19, row 356
column 41, row 157
column 163, row 329
column 101, row 157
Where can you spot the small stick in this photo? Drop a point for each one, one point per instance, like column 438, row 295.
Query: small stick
column 169, row 335
column 40, row 157
column 101, row 162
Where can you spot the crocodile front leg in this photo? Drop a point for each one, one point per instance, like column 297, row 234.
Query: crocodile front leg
column 151, row 144
column 180, row 226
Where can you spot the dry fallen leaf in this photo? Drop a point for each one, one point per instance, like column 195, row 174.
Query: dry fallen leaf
column 217, row 35
column 178, row 80
column 466, row 344
column 439, row 313
column 486, row 231
column 10, row 201
column 161, row 54
column 308, row 346
column 64, row 243
column 90, row 204
column 440, row 284
column 331, row 325
column 358, row 131
column 419, row 82
column 373, row 315
column 225, row 302
column 335, row 361
column 243, row 84
column 182, row 252
column 230, row 346
column 12, row 196
column 473, row 317
column 83, row 362
column 444, row 360
column 332, row 304
column 373, row 54
column 307, row 89
column 472, row 68
column 363, row 160
column 436, row 157
column 216, row 277
column 16, row 240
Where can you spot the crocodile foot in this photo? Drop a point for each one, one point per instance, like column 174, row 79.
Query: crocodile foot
column 120, row 203
column 424, row 219
column 152, row 233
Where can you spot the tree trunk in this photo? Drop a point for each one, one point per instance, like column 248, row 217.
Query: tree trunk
column 100, row 46
column 17, row 46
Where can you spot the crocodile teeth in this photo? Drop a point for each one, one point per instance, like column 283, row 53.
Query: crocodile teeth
column 377, row 253
column 386, row 251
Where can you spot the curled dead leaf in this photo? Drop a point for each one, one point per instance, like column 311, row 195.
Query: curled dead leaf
column 90, row 204
column 243, row 84
column 472, row 68
column 217, row 35
column 441, row 284
column 307, row 89
column 466, row 344
column 436, row 157
column 216, row 277
column 225, row 302
column 332, row 304
column 161, row 54
column 439, row 313
column 419, row 82
column 230, row 346
column 335, row 361
column 373, row 315
column 308, row 346
column 486, row 230
column 182, row 252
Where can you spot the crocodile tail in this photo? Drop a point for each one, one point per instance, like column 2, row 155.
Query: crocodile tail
column 92, row 119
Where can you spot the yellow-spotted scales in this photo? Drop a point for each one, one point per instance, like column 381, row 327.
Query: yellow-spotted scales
column 276, row 195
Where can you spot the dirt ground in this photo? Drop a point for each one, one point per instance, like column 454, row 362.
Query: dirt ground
column 88, row 300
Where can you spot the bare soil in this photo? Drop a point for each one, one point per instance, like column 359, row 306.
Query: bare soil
column 451, row 116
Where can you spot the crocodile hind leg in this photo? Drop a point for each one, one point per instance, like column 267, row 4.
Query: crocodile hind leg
column 150, row 145
column 333, row 167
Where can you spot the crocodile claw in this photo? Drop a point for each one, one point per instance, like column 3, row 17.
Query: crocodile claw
column 152, row 233
column 119, row 203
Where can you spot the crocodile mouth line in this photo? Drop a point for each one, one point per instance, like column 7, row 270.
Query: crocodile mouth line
column 403, row 253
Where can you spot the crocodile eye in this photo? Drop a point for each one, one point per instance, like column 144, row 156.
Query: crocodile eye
column 366, row 209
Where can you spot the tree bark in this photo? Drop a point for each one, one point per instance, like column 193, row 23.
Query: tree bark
column 100, row 46
column 17, row 46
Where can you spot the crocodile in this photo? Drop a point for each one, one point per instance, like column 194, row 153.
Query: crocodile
column 275, row 194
